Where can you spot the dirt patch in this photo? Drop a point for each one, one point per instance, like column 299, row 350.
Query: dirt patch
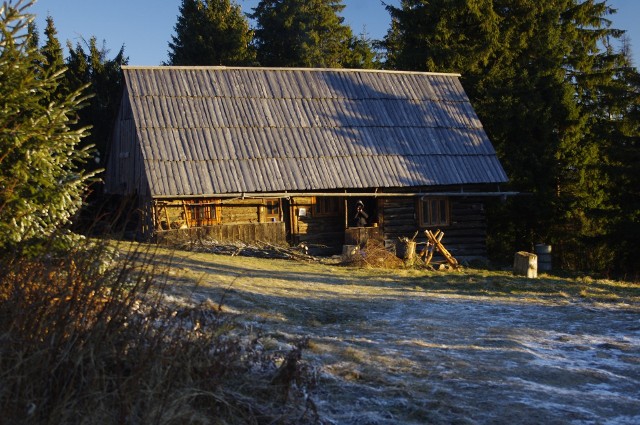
column 405, row 347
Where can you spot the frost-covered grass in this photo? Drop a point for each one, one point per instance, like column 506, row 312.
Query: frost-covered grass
column 414, row 346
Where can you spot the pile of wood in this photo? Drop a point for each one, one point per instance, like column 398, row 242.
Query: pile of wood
column 258, row 250
column 373, row 254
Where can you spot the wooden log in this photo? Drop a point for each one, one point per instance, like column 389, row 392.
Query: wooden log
column 436, row 239
column 430, row 247
column 186, row 214
column 525, row 264
column 407, row 251
column 428, row 253
column 349, row 252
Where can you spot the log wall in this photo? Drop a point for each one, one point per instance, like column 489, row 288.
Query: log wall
column 464, row 237
column 397, row 217
column 272, row 233
column 323, row 230
column 241, row 211
column 230, row 221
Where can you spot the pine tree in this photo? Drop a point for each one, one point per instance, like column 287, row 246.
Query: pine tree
column 103, row 77
column 211, row 32
column 447, row 35
column 302, row 33
column 541, row 94
column 362, row 54
column 41, row 184
column 52, row 50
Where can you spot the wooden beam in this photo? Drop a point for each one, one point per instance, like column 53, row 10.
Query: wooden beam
column 436, row 239
column 186, row 214
column 340, row 194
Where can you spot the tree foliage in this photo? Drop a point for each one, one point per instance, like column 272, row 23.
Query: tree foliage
column 362, row 53
column 303, row 33
column 52, row 49
column 41, row 183
column 614, row 116
column 211, row 32
column 447, row 35
column 557, row 100
column 103, row 76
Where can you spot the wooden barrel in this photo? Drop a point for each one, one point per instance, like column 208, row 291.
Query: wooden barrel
column 544, row 257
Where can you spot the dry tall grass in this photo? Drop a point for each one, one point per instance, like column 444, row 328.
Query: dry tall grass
column 86, row 338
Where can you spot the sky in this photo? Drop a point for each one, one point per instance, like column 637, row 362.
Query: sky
column 145, row 27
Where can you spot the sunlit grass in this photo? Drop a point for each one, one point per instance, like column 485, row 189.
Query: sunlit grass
column 258, row 281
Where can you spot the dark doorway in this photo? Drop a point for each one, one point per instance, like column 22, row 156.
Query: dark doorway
column 286, row 218
column 370, row 207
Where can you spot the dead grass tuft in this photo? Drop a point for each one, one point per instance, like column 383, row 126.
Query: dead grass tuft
column 89, row 338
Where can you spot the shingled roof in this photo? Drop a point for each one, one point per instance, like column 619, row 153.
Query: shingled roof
column 216, row 130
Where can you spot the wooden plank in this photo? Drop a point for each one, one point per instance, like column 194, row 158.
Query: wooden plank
column 186, row 214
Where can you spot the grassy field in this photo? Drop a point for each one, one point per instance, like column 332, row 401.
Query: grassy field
column 400, row 346
column 136, row 333
column 317, row 280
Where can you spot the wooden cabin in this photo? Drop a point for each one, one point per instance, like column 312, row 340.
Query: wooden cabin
column 282, row 155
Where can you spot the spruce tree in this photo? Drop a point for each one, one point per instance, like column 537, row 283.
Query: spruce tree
column 302, row 33
column 41, row 183
column 53, row 59
column 527, row 103
column 624, row 157
column 362, row 54
column 611, row 97
column 443, row 35
column 103, row 77
column 538, row 74
column 34, row 36
column 211, row 32
column 52, row 50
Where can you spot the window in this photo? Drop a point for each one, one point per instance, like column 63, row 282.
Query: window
column 201, row 214
column 328, row 205
column 434, row 212
column 272, row 209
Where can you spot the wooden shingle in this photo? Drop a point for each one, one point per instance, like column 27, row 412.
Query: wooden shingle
column 216, row 130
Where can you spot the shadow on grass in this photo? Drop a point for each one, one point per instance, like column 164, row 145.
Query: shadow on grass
column 318, row 281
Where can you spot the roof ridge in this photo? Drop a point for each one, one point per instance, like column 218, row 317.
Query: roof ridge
column 298, row 69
